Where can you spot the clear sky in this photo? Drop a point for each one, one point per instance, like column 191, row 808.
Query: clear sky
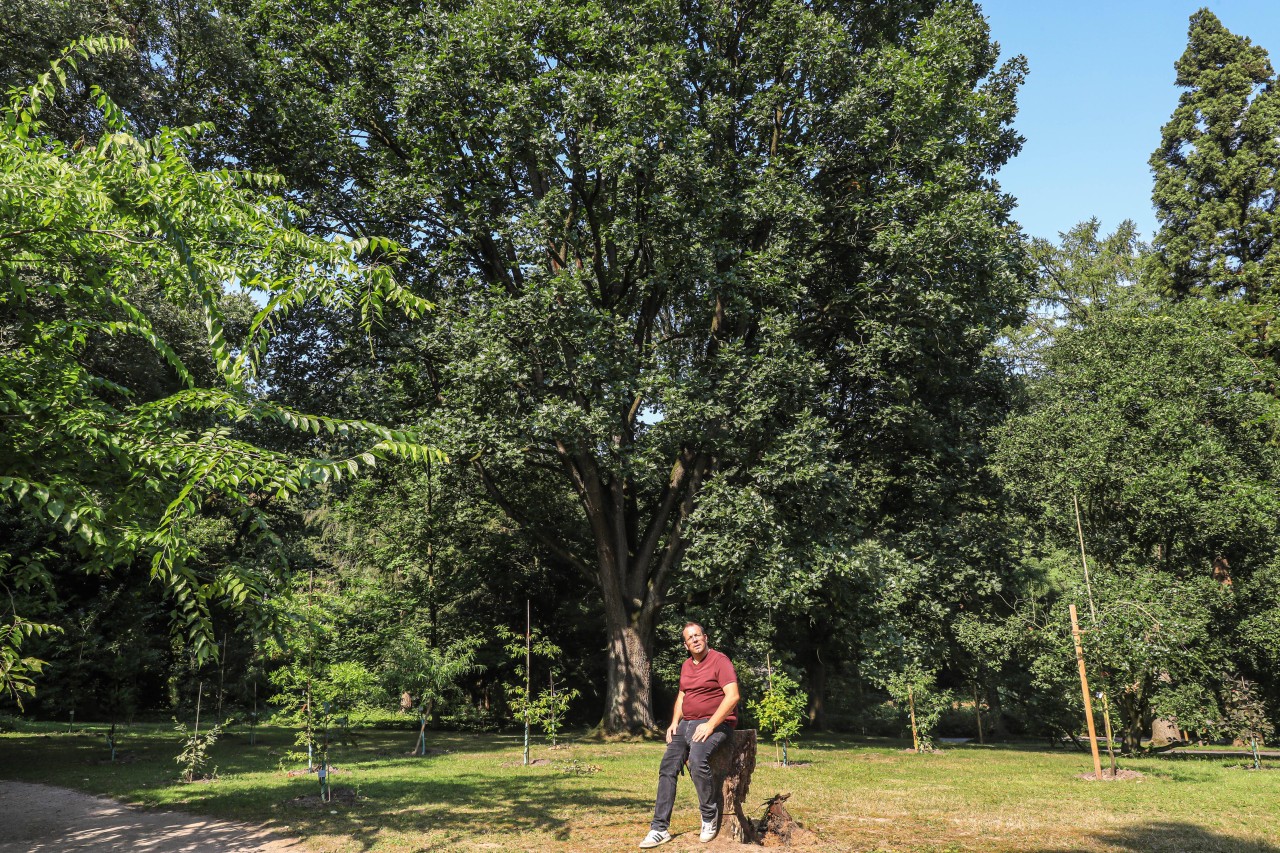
column 1099, row 88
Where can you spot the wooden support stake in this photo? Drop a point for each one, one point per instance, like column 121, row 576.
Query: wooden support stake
column 1084, row 691
column 1093, row 620
column 528, row 662
column 911, row 700
column 1111, row 741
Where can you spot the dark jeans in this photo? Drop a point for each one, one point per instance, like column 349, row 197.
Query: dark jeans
column 682, row 747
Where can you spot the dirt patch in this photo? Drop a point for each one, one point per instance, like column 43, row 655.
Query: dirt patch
column 45, row 819
column 338, row 797
column 1120, row 776
column 429, row 753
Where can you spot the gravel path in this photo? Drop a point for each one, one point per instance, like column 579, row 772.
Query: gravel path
column 44, row 819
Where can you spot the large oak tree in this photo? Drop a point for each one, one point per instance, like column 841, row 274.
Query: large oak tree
column 669, row 242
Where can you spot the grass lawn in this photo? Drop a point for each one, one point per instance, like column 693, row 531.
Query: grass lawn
column 856, row 795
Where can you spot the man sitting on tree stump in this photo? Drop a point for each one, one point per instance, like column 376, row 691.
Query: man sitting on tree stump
column 703, row 719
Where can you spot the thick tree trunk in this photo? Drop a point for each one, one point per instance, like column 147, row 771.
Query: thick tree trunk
column 1131, row 710
column 629, row 695
column 1164, row 732
column 732, row 765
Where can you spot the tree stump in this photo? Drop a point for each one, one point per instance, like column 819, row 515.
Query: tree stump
column 732, row 766
column 777, row 826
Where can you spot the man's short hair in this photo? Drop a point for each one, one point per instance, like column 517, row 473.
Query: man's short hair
column 689, row 625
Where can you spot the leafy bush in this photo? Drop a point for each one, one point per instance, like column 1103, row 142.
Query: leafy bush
column 780, row 710
column 194, row 757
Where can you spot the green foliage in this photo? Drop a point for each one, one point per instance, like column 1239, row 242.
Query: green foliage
column 88, row 230
column 1084, row 272
column 916, row 692
column 1245, row 713
column 1217, row 173
column 427, row 673
column 318, row 701
column 671, row 245
column 18, row 672
column 317, row 690
column 1158, row 424
column 780, row 709
column 545, row 707
column 194, row 758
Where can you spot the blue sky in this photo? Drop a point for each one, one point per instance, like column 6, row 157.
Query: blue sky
column 1099, row 89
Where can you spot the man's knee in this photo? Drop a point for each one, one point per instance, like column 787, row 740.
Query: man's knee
column 700, row 763
column 672, row 759
column 700, row 755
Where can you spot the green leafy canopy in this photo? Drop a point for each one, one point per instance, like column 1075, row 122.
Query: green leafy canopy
column 87, row 230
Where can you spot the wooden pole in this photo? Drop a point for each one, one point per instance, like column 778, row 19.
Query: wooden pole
column 222, row 668
column 1093, row 620
column 911, row 700
column 1084, row 692
column 1088, row 587
column 1111, row 741
column 199, row 695
column 768, row 668
column 528, row 665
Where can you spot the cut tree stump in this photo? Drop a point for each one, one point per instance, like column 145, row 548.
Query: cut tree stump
column 777, row 826
column 732, row 766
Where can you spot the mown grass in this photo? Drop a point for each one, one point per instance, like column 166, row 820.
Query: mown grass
column 856, row 795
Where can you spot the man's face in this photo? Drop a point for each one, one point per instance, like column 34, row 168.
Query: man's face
column 695, row 641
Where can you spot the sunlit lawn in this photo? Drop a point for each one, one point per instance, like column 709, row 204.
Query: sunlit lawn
column 854, row 794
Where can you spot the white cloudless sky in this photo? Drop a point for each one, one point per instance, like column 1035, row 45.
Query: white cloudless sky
column 1099, row 88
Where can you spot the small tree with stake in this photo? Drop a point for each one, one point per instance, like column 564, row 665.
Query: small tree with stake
column 780, row 710
column 429, row 674
column 917, row 690
column 194, row 757
column 1246, row 715
column 546, row 708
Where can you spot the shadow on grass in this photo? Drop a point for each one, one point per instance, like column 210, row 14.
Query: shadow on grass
column 465, row 807
column 1173, row 837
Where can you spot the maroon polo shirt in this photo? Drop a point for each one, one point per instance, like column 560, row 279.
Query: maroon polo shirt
column 703, row 686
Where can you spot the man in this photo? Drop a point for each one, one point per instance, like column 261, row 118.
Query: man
column 702, row 720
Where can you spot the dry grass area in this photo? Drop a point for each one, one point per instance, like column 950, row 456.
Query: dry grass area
column 472, row 794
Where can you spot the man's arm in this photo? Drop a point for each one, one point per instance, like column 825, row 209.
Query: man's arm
column 727, row 704
column 677, row 714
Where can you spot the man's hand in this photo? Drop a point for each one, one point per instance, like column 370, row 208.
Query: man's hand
column 671, row 730
column 702, row 732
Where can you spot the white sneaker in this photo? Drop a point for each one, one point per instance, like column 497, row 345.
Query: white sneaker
column 654, row 838
column 710, row 829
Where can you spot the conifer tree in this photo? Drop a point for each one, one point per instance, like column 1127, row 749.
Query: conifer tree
column 1217, row 172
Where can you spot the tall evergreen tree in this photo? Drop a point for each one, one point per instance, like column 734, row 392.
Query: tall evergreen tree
column 1217, row 174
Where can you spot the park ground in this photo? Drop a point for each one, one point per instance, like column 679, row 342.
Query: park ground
column 471, row 792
